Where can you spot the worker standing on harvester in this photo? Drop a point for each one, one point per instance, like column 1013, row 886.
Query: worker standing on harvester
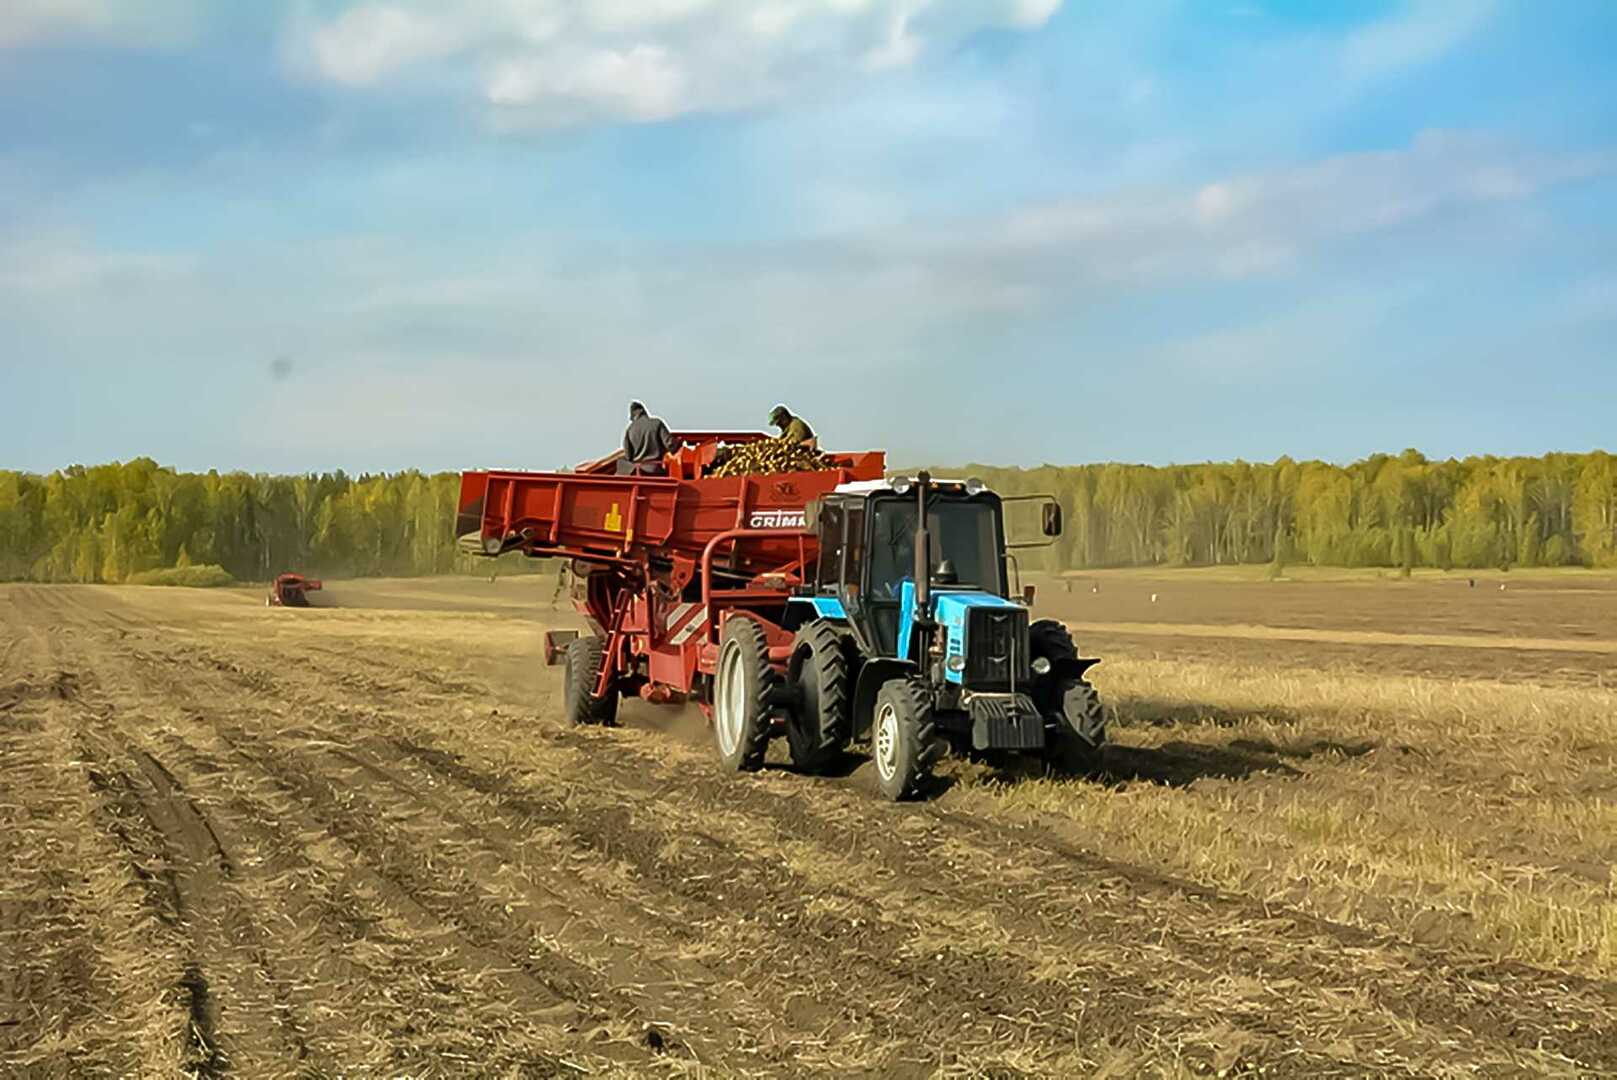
column 794, row 430
column 646, row 442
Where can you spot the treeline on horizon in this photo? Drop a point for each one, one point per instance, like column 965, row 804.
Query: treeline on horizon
column 107, row 523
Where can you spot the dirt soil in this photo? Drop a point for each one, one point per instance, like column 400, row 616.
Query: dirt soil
column 359, row 840
column 1549, row 627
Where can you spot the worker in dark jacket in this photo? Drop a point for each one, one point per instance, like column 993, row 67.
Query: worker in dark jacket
column 646, row 442
column 794, row 430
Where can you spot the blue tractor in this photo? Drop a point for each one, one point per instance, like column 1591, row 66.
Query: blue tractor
column 909, row 636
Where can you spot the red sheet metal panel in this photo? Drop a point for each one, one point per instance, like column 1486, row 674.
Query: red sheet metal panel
column 635, row 517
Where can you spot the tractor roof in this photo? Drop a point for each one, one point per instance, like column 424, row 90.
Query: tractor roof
column 873, row 487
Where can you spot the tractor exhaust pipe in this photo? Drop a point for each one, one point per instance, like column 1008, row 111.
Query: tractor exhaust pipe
column 923, row 625
column 923, row 548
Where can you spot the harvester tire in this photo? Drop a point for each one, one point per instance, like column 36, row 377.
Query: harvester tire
column 581, row 669
column 743, row 693
column 903, row 739
column 1074, row 746
column 817, row 728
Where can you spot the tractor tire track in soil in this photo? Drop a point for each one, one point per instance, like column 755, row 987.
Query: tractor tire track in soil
column 1415, row 996
column 378, row 889
column 367, row 860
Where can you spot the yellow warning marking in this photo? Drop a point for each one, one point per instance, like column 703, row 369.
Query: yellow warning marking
column 614, row 519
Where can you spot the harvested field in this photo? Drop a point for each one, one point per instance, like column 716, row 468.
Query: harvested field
column 1556, row 627
column 359, row 839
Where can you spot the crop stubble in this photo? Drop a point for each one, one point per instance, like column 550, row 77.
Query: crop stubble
column 292, row 843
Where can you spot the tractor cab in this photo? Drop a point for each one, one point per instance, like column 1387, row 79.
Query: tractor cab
column 867, row 542
column 914, row 579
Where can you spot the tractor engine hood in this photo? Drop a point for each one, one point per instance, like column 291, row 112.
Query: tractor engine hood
column 985, row 636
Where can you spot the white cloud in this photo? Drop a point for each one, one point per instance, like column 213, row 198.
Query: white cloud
column 1424, row 31
column 149, row 22
column 1259, row 224
column 366, row 44
column 643, row 82
column 404, row 335
column 544, row 63
column 59, row 266
column 1324, row 333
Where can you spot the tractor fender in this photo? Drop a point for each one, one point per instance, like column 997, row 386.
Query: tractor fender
column 1072, row 668
column 873, row 674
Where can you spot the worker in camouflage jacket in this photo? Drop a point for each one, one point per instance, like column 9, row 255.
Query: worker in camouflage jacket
column 794, row 430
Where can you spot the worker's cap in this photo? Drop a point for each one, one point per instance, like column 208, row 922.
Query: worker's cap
column 779, row 413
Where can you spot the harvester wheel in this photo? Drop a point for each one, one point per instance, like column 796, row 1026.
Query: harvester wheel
column 1075, row 743
column 743, row 688
column 817, row 729
column 581, row 668
column 904, row 740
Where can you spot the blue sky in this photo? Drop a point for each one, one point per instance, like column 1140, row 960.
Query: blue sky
column 310, row 235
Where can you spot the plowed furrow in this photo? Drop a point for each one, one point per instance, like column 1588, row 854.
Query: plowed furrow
column 1416, row 988
column 1007, row 986
column 427, row 873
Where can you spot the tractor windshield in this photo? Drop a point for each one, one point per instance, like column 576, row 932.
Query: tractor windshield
column 965, row 534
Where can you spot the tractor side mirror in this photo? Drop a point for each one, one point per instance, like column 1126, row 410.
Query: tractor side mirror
column 811, row 518
column 1028, row 593
column 1052, row 519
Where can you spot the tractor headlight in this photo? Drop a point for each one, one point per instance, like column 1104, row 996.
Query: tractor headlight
column 902, row 485
column 1041, row 665
column 956, row 663
column 492, row 544
column 974, row 486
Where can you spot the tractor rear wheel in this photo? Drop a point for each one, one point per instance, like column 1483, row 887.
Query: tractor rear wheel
column 581, row 670
column 903, row 739
column 743, row 688
column 817, row 728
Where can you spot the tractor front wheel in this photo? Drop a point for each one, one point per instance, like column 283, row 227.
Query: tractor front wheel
column 903, row 739
column 742, row 690
column 1052, row 641
column 581, row 670
column 1075, row 741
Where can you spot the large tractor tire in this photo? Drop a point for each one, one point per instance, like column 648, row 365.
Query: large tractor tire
column 743, row 689
column 903, row 739
column 817, row 729
column 1074, row 745
column 1052, row 641
column 581, row 669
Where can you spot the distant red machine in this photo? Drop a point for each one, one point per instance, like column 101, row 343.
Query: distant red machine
column 291, row 590
column 660, row 563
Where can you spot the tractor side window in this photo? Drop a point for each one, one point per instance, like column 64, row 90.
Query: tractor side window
column 854, row 550
column 831, row 522
column 892, row 550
